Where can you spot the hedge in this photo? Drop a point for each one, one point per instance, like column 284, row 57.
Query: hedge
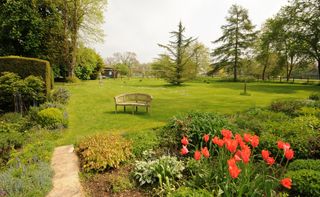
column 28, row 66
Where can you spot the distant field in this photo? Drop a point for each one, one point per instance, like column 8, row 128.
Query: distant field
column 91, row 108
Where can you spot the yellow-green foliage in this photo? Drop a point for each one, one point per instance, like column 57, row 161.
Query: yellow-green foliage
column 51, row 118
column 101, row 152
column 28, row 66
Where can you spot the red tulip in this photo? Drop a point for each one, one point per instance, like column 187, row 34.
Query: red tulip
column 237, row 156
column 286, row 182
column 218, row 141
column 206, row 137
column 231, row 145
column 233, row 168
column 286, row 146
column 226, row 133
column 184, row 141
column 197, row 155
column 289, row 154
column 255, row 141
column 270, row 161
column 247, row 137
column 280, row 144
column 205, row 152
column 184, row 150
column 245, row 155
column 265, row 154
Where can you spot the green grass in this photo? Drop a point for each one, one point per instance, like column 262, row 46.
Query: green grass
column 91, row 107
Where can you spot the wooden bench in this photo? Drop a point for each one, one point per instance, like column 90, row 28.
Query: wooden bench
column 134, row 100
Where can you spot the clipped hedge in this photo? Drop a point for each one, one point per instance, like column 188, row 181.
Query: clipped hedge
column 309, row 164
column 25, row 67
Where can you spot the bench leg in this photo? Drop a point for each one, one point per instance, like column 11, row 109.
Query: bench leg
column 147, row 109
column 136, row 108
column 124, row 108
column 116, row 107
column 132, row 110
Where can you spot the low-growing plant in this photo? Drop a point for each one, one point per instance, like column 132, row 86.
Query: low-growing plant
column 101, row 152
column 308, row 164
column 60, row 95
column 26, row 180
column 287, row 106
column 315, row 96
column 190, row 192
column 305, row 182
column 9, row 141
column 13, row 122
column 51, row 118
column 158, row 171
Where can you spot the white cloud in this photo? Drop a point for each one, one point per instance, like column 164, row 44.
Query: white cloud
column 139, row 25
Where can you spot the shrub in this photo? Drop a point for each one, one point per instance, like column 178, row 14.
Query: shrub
column 157, row 171
column 10, row 122
column 18, row 94
column 51, row 118
column 315, row 96
column 309, row 164
column 8, row 142
column 25, row 67
column 101, row 152
column 289, row 107
column 26, row 180
column 305, row 182
column 60, row 95
column 194, row 124
column 73, row 80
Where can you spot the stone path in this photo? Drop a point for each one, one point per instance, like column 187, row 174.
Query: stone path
column 66, row 181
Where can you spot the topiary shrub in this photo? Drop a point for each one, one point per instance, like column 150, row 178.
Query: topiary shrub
column 60, row 95
column 305, row 182
column 101, row 152
column 51, row 118
column 194, row 125
column 308, row 164
column 25, row 67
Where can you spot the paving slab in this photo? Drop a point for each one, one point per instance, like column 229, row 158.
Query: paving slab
column 66, row 181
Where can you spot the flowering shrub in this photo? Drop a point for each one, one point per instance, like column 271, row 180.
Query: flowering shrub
column 237, row 170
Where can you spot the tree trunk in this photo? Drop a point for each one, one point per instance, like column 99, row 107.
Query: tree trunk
column 289, row 68
column 318, row 68
column 74, row 39
column 65, row 31
column 236, row 54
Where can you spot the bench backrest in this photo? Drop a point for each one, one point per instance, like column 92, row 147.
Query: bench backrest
column 136, row 97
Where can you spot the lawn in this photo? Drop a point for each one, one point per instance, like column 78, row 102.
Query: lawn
column 91, row 107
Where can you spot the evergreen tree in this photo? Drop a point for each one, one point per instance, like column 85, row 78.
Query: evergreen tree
column 179, row 55
column 238, row 36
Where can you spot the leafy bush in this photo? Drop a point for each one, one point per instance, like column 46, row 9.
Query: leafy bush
column 24, row 92
column 190, row 192
column 194, row 124
column 305, row 182
column 157, row 171
column 51, row 118
column 309, row 164
column 8, row 142
column 315, row 96
column 60, row 95
column 101, row 152
column 142, row 141
column 289, row 107
column 26, row 180
column 13, row 122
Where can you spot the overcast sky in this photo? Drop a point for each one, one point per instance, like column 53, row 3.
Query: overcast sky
column 139, row 25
